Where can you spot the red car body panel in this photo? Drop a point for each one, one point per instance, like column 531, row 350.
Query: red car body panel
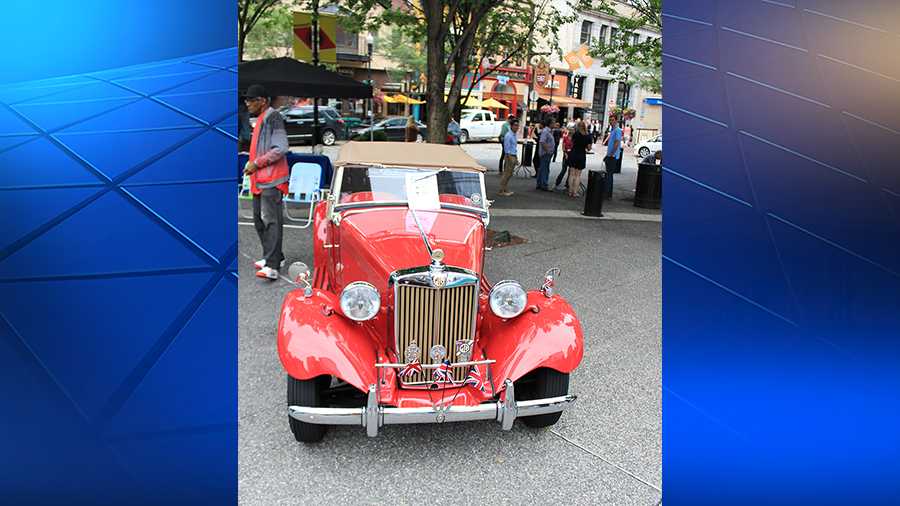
column 314, row 339
column 551, row 337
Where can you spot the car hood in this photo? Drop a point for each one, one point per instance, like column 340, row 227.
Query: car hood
column 376, row 242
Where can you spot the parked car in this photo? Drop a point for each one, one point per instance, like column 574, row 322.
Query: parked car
column 651, row 145
column 394, row 129
column 479, row 124
column 399, row 324
column 299, row 124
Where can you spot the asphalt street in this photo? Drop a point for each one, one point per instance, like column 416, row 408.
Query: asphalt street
column 604, row 450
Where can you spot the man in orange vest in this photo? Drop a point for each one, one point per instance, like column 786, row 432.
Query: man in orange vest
column 269, row 176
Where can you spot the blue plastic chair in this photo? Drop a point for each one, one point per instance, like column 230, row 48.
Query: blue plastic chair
column 245, row 195
column 303, row 188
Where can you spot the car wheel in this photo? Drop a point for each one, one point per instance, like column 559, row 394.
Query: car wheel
column 305, row 393
column 644, row 152
column 463, row 137
column 328, row 137
column 419, row 138
column 545, row 383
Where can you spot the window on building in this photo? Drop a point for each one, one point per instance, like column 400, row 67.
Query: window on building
column 612, row 35
column 635, row 39
column 603, row 30
column 598, row 105
column 586, row 28
column 623, row 97
column 346, row 41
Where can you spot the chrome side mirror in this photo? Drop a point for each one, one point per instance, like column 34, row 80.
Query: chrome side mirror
column 298, row 273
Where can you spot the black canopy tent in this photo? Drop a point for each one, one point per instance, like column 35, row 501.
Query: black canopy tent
column 287, row 76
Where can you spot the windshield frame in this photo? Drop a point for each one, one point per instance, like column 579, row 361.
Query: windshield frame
column 337, row 207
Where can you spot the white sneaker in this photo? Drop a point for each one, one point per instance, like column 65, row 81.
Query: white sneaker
column 259, row 264
column 267, row 273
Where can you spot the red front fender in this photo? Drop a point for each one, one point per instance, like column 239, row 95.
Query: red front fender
column 312, row 342
column 551, row 337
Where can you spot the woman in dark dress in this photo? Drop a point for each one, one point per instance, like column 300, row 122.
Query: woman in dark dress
column 581, row 141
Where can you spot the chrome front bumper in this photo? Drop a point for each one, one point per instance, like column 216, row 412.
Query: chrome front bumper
column 374, row 416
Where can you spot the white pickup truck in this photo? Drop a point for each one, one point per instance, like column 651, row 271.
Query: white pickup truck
column 478, row 124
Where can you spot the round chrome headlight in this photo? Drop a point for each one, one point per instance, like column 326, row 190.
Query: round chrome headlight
column 360, row 301
column 508, row 299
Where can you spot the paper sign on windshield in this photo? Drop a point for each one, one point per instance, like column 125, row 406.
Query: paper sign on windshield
column 422, row 191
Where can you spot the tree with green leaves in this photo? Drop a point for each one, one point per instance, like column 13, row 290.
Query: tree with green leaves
column 272, row 35
column 459, row 37
column 249, row 14
column 639, row 63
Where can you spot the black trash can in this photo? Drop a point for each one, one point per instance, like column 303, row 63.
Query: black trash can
column 593, row 197
column 648, row 190
column 527, row 153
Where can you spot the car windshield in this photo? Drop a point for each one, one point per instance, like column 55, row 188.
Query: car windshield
column 451, row 188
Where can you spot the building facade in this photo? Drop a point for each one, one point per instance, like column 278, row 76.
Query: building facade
column 596, row 89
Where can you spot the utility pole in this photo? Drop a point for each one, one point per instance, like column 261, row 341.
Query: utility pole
column 315, row 56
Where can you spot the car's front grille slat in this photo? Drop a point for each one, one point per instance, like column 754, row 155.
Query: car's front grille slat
column 431, row 316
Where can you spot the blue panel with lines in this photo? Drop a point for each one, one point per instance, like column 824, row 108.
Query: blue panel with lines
column 781, row 252
column 118, row 325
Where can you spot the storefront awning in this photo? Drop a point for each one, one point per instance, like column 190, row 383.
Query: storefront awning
column 564, row 101
column 493, row 104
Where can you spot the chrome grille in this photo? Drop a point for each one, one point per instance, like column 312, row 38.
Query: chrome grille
column 430, row 316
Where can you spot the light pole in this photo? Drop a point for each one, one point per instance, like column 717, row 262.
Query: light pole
column 552, row 83
column 370, row 44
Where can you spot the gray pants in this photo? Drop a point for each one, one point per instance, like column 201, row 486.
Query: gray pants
column 268, row 218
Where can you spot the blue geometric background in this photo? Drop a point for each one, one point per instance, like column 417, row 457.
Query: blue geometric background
column 781, row 252
column 118, row 313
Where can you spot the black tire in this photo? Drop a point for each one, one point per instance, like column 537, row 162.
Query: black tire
column 546, row 383
column 464, row 137
column 644, row 152
column 305, row 393
column 328, row 137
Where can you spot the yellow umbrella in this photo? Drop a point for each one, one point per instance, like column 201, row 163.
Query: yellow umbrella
column 389, row 99
column 493, row 104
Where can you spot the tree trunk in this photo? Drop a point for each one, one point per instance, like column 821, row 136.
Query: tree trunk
column 436, row 73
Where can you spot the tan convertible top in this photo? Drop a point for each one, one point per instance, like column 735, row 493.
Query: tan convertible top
column 407, row 154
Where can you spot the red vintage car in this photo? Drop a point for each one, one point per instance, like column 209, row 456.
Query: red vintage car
column 398, row 323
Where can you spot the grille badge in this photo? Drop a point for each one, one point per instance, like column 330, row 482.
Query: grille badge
column 438, row 279
column 412, row 352
column 464, row 349
column 438, row 352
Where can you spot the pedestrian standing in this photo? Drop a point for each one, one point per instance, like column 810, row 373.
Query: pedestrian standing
column 536, row 135
column 581, row 143
column 613, row 153
column 412, row 130
column 503, row 130
column 509, row 156
column 453, row 132
column 557, row 135
column 567, row 148
column 626, row 136
column 269, row 176
column 546, row 145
